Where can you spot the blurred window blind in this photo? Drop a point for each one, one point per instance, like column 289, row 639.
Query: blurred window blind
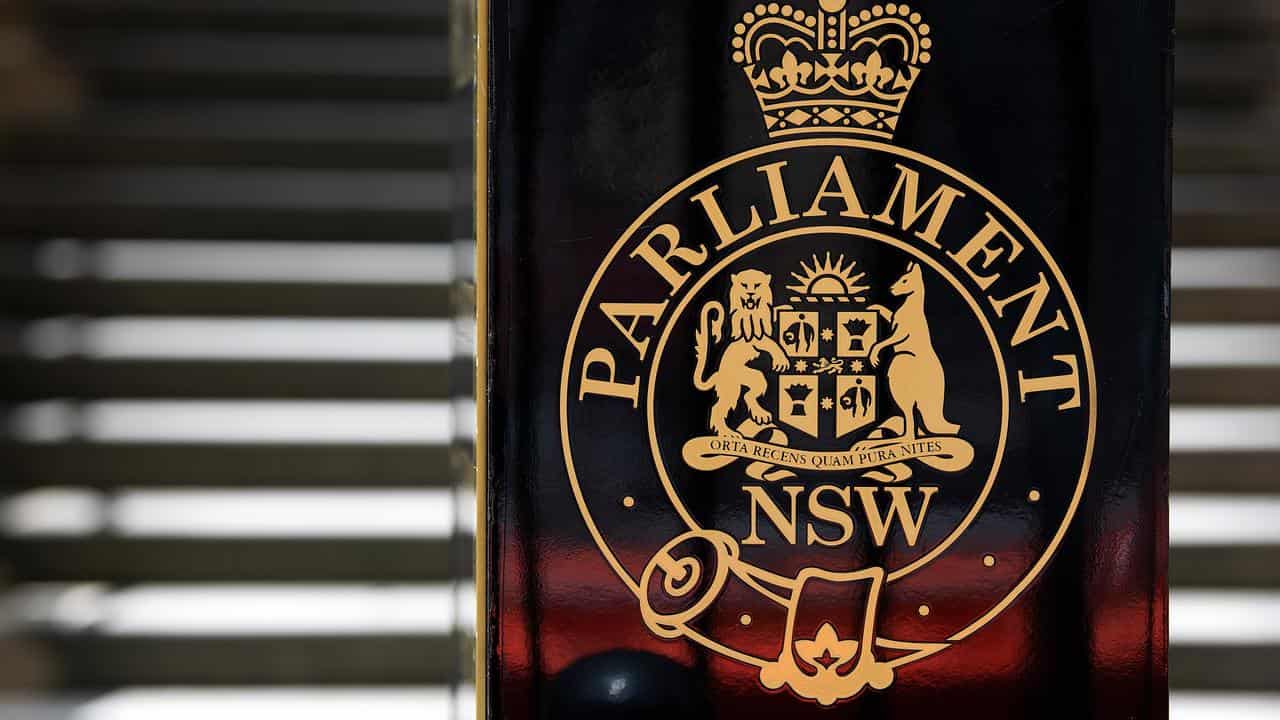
column 1225, row 425
column 234, row 368
column 230, row 321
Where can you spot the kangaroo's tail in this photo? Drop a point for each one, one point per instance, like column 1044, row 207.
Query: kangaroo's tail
column 711, row 322
column 936, row 422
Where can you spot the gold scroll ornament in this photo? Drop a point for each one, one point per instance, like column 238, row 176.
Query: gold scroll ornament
column 946, row 454
column 823, row 656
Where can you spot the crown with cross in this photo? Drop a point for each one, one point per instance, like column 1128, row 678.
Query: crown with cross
column 834, row 71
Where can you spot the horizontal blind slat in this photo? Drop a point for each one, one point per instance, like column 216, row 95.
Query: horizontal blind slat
column 369, row 16
column 184, row 465
column 1225, row 386
column 137, row 560
column 1224, row 566
column 1223, row 74
column 210, row 64
column 226, row 152
column 1222, row 229
column 1221, row 305
column 22, row 379
column 332, row 224
column 40, row 297
column 91, row 661
column 1208, row 667
column 1225, row 472
column 1212, row 17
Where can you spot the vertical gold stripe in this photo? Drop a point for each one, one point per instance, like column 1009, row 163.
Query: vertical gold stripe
column 481, row 120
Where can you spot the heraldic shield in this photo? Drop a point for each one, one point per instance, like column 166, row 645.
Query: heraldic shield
column 831, row 388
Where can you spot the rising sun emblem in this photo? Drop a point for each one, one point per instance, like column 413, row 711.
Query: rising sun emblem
column 827, row 279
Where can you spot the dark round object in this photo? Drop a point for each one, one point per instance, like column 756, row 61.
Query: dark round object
column 625, row 685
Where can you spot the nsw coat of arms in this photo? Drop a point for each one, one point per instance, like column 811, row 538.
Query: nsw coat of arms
column 834, row 360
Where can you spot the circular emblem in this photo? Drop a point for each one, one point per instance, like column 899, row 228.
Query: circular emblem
column 850, row 404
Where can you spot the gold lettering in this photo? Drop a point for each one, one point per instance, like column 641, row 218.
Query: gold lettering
column 715, row 213
column 607, row 386
column 898, row 506
column 839, row 176
column 634, row 311
column 909, row 188
column 831, row 515
column 1026, row 324
column 760, row 500
column 778, row 191
column 981, row 245
column 661, row 261
column 1070, row 381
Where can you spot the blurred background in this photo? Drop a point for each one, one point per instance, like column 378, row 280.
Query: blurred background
column 236, row 341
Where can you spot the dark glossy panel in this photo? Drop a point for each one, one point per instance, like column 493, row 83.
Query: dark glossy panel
column 1060, row 110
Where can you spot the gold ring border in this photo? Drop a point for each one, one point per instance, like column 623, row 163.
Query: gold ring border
column 1090, row 370
column 910, row 250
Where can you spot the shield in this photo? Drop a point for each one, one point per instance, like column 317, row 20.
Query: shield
column 798, row 402
column 830, row 390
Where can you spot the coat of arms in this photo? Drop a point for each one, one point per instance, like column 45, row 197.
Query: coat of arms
column 826, row 367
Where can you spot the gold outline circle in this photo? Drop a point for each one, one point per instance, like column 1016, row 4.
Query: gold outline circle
column 1081, row 332
column 910, row 250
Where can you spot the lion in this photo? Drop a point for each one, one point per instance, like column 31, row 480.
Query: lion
column 734, row 381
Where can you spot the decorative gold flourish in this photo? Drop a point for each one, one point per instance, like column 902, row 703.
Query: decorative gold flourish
column 817, row 668
column 791, row 73
column 834, row 366
column 872, row 72
column 679, row 576
column 826, row 649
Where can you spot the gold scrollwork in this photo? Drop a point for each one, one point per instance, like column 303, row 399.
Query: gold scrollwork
column 829, row 668
column 684, row 580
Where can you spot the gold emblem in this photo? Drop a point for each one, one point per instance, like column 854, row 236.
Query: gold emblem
column 841, row 390
column 841, row 366
column 836, row 70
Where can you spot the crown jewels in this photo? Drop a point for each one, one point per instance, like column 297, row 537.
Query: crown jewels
column 837, row 71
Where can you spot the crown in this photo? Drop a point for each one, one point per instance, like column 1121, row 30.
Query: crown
column 838, row 71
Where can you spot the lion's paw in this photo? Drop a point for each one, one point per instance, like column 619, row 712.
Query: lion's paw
column 764, row 417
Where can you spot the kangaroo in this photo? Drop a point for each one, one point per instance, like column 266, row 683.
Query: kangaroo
column 916, row 378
